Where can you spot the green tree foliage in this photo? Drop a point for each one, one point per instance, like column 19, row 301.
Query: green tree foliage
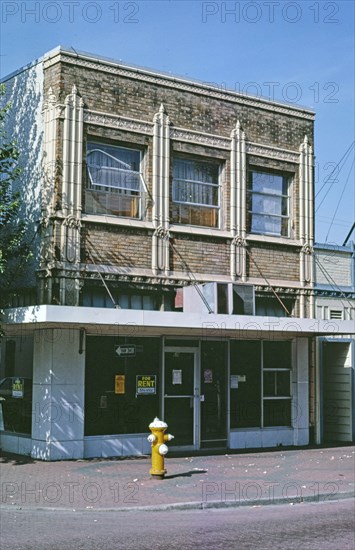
column 14, row 251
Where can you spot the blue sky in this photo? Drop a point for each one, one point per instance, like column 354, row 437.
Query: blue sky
column 301, row 52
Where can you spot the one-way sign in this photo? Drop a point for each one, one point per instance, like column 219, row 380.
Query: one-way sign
column 126, row 351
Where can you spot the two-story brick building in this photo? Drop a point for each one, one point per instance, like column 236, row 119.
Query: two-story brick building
column 173, row 271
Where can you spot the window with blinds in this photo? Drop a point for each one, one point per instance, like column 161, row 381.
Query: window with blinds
column 196, row 192
column 115, row 181
column 269, row 203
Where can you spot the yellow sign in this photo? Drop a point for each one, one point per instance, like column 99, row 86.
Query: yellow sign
column 17, row 387
column 120, row 383
column 146, row 384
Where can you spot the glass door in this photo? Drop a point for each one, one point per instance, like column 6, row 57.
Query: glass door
column 181, row 396
column 213, row 394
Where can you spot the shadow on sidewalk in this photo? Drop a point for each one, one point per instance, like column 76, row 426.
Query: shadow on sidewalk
column 15, row 460
column 187, row 474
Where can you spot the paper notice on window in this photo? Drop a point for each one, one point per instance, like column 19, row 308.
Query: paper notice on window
column 207, row 376
column 120, row 380
column 234, row 381
column 177, row 376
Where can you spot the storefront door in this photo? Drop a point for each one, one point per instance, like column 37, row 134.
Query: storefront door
column 213, row 393
column 181, row 396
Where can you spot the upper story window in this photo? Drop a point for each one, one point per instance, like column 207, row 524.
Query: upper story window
column 269, row 203
column 195, row 193
column 116, row 185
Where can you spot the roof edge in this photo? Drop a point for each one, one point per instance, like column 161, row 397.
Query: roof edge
column 298, row 110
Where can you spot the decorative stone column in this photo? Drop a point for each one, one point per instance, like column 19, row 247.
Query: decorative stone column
column 238, row 204
column 71, row 197
column 306, row 226
column 49, row 191
column 161, row 193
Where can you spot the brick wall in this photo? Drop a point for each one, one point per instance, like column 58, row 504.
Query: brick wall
column 117, row 246
column 279, row 262
column 115, row 94
column 336, row 264
column 103, row 90
column 201, row 255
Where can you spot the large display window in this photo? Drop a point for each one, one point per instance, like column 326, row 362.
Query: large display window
column 121, row 384
column 260, row 384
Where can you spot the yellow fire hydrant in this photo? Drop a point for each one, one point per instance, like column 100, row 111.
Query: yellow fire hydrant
column 158, row 438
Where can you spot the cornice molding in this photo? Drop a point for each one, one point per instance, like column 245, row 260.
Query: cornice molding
column 115, row 121
column 186, row 135
column 191, row 136
column 176, row 83
column 272, row 152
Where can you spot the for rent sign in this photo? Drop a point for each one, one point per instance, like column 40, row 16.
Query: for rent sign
column 146, row 384
column 18, row 387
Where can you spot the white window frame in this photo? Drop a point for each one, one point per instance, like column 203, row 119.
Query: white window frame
column 176, row 199
column 266, row 194
column 276, row 397
column 123, row 168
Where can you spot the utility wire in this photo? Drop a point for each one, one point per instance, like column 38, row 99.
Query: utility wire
column 341, row 196
column 269, row 285
column 348, row 235
column 332, row 282
column 327, row 179
column 192, row 277
column 101, row 277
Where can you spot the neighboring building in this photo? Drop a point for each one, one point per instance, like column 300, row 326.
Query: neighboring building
column 335, row 300
column 173, row 269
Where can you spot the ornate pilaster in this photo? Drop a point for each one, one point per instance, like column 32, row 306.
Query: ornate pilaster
column 161, row 181
column 238, row 203
column 48, row 197
column 71, row 193
column 49, row 154
column 306, row 224
column 72, row 154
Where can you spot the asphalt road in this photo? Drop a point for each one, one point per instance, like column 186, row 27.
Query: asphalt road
column 307, row 526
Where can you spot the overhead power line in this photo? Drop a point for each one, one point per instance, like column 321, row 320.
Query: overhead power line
column 331, row 281
column 348, row 235
column 328, row 178
column 339, row 201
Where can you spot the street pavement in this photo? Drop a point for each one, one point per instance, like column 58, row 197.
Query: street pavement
column 192, row 482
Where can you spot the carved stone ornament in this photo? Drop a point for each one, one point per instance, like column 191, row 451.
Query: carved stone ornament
column 122, row 123
column 239, row 241
column 280, row 289
column 71, row 221
column 50, row 100
column 186, row 135
column 307, row 249
column 162, row 233
column 60, row 110
column 182, row 134
column 272, row 152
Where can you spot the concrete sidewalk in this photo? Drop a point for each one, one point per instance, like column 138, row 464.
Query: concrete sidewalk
column 253, row 478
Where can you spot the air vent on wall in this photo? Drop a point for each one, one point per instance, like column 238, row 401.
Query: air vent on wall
column 336, row 314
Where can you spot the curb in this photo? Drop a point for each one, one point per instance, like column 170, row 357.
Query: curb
column 197, row 505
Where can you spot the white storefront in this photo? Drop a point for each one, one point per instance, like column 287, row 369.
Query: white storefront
column 87, row 365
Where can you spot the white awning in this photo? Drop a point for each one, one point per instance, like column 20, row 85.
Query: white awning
column 129, row 322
